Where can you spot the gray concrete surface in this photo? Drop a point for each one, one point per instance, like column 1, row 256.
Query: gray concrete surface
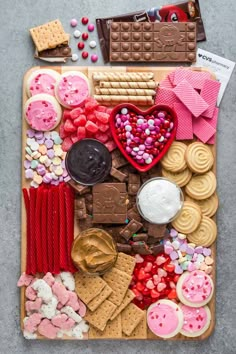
column 16, row 56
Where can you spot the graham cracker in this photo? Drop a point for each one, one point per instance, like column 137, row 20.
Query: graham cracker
column 88, row 287
column 99, row 318
column 140, row 331
column 113, row 330
column 93, row 304
column 129, row 296
column 130, row 318
column 49, row 35
column 119, row 282
column 125, row 263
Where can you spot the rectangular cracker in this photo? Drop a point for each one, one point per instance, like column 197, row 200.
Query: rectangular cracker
column 127, row 299
column 49, row 35
column 125, row 263
column 130, row 318
column 88, row 287
column 140, row 332
column 113, row 330
column 93, row 304
column 119, row 282
column 99, row 318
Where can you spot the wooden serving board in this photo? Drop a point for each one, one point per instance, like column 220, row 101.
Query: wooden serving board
column 159, row 74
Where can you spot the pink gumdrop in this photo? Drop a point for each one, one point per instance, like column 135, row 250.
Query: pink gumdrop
column 94, row 58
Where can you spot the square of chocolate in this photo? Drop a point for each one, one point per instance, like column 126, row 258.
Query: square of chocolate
column 109, row 203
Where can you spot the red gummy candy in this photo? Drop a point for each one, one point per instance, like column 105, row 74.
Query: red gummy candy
column 80, row 121
column 111, row 145
column 90, row 104
column 109, row 110
column 81, row 133
column 74, row 137
column 101, row 137
column 76, row 112
column 154, row 294
column 91, row 127
column 66, row 114
column 102, row 117
column 62, row 132
column 67, row 143
column 101, row 109
column 92, row 118
column 172, row 294
column 69, row 126
column 102, row 127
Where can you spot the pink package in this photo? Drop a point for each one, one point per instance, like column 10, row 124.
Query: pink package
column 185, row 122
column 166, row 96
column 202, row 129
column 209, row 93
column 195, row 78
column 190, row 98
column 213, row 123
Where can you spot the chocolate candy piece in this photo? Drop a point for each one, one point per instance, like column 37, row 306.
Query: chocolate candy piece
column 118, row 174
column 133, row 184
column 79, row 187
column 109, row 203
column 125, row 248
column 114, row 231
column 141, row 247
column 117, row 159
column 60, row 51
column 156, row 231
column 86, row 223
column 103, row 28
column 140, row 237
column 88, row 162
column 133, row 214
column 156, row 249
column 153, row 42
column 130, row 229
column 80, row 208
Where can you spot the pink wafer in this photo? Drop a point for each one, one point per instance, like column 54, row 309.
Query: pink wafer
column 171, row 76
column 166, row 96
column 213, row 123
column 166, row 83
column 209, row 93
column 195, row 78
column 185, row 124
column 190, row 98
column 202, row 129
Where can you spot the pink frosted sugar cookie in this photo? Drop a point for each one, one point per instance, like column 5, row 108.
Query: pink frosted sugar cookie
column 165, row 318
column 42, row 112
column 72, row 89
column 196, row 320
column 195, row 289
column 42, row 81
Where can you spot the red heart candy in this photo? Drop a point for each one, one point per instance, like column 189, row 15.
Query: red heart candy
column 121, row 139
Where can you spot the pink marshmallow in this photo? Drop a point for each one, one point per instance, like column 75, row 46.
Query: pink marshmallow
column 73, row 301
column 33, row 305
column 30, row 293
column 49, row 278
column 61, row 293
column 63, row 321
column 25, row 279
column 82, row 308
column 32, row 322
column 47, row 329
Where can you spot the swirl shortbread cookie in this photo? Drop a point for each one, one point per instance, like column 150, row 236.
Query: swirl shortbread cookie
column 205, row 234
column 174, row 160
column 208, row 206
column 199, row 157
column 181, row 178
column 189, row 218
column 201, row 186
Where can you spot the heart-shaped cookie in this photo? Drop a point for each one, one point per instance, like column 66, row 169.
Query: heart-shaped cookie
column 143, row 137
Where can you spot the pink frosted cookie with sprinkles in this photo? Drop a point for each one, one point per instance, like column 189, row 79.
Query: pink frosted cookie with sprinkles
column 72, row 89
column 42, row 81
column 195, row 289
column 165, row 318
column 196, row 320
column 42, row 112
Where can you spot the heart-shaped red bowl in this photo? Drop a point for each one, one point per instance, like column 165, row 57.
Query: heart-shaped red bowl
column 135, row 109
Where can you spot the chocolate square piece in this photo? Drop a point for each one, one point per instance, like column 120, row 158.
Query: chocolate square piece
column 117, row 159
column 109, row 203
column 140, row 237
column 130, row 229
column 160, row 42
column 141, row 247
column 156, row 231
column 81, row 189
column 134, row 184
column 118, row 174
column 133, row 214
column 80, row 208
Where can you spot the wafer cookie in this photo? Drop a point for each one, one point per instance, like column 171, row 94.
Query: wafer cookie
column 119, row 76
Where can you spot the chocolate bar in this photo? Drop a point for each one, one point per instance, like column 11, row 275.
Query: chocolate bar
column 153, row 42
column 133, row 214
column 156, row 249
column 59, row 54
column 185, row 11
column 81, row 189
column 80, row 208
column 118, row 174
column 130, row 229
column 117, row 159
column 103, row 28
column 141, row 247
column 156, row 231
column 140, row 237
column 109, row 203
column 133, row 184
column 125, row 248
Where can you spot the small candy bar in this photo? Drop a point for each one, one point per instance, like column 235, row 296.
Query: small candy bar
column 133, row 184
column 156, row 249
column 130, row 229
column 156, row 231
column 118, row 174
column 133, row 214
column 141, row 247
column 79, row 187
column 140, row 237
column 80, row 208
column 117, row 159
column 125, row 248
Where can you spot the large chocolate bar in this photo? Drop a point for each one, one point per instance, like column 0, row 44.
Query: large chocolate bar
column 152, row 42
column 55, row 55
column 103, row 28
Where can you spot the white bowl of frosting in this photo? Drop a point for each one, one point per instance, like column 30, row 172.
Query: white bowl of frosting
column 159, row 200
